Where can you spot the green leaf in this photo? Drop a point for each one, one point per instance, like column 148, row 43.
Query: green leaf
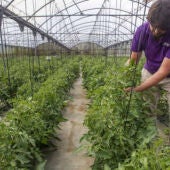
column 106, row 167
column 41, row 166
column 13, row 163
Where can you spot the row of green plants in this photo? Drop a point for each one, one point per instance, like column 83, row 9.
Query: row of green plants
column 33, row 122
column 37, row 77
column 155, row 156
column 23, row 79
column 121, row 134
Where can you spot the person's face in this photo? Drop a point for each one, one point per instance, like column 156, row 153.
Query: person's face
column 156, row 32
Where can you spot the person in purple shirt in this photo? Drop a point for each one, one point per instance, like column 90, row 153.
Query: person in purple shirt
column 153, row 37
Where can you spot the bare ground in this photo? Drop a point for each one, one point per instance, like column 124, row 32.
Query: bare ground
column 65, row 158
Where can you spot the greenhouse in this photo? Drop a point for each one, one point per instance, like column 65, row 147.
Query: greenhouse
column 85, row 85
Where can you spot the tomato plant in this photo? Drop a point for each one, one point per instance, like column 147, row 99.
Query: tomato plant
column 116, row 127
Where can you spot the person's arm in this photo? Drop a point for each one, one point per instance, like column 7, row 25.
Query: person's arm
column 162, row 73
column 134, row 56
column 137, row 45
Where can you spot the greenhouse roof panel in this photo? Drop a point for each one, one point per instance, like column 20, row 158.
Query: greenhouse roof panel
column 70, row 22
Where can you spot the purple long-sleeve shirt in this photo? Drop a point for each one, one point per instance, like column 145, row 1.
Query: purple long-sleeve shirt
column 155, row 50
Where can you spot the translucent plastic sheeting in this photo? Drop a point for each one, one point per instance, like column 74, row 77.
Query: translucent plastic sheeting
column 104, row 22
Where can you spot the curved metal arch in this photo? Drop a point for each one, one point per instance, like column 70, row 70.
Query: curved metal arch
column 98, row 26
column 86, row 17
column 81, row 2
column 103, row 43
column 88, row 42
column 62, row 11
column 74, row 4
column 111, row 46
column 101, row 26
column 97, row 37
column 144, row 4
column 78, row 29
column 92, row 42
column 84, row 11
column 82, row 42
column 87, row 33
column 98, row 8
column 84, row 39
column 103, row 46
column 40, row 9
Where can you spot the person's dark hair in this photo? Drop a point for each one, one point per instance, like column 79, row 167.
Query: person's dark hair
column 159, row 14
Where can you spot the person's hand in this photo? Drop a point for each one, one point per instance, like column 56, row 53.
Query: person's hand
column 134, row 89
column 129, row 89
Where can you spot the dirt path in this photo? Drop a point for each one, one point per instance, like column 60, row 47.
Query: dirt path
column 71, row 131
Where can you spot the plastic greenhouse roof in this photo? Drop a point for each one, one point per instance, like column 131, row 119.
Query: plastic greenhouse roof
column 70, row 22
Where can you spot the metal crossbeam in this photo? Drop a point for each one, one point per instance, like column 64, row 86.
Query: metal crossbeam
column 23, row 22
